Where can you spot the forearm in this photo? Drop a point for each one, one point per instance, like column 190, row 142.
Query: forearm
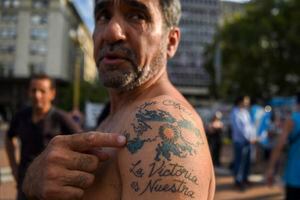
column 10, row 150
column 276, row 154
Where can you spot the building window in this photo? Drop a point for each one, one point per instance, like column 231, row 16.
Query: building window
column 40, row 3
column 10, row 3
column 6, row 69
column 37, row 34
column 39, row 19
column 38, row 49
column 8, row 17
column 7, row 33
column 7, row 48
column 36, row 68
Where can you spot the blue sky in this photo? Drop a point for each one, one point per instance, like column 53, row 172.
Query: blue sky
column 85, row 8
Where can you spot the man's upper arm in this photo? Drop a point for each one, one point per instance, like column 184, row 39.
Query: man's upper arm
column 166, row 155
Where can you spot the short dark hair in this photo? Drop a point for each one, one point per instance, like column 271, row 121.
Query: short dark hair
column 239, row 99
column 171, row 11
column 44, row 77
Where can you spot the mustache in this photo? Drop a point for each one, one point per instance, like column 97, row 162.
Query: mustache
column 118, row 49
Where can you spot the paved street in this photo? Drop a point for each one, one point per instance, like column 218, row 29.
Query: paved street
column 225, row 189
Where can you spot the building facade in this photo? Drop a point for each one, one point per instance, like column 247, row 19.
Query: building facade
column 35, row 38
column 198, row 26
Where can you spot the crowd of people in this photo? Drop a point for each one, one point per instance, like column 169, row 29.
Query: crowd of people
column 255, row 129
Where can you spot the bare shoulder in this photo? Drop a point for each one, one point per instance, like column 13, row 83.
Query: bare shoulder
column 166, row 156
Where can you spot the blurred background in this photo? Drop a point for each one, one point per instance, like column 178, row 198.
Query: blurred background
column 228, row 49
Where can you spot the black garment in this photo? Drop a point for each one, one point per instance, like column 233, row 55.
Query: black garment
column 292, row 193
column 35, row 136
column 215, row 145
column 102, row 116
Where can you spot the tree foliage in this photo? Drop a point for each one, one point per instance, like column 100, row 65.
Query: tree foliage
column 92, row 92
column 260, row 51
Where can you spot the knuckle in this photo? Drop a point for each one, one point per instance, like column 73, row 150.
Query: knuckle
column 56, row 140
column 90, row 180
column 47, row 193
column 50, row 173
column 77, row 195
column 54, row 155
column 84, row 180
column 89, row 138
column 94, row 163
column 87, row 163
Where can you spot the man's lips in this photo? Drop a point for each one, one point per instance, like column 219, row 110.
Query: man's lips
column 112, row 59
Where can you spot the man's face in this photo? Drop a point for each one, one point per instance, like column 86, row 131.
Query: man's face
column 41, row 93
column 246, row 102
column 130, row 42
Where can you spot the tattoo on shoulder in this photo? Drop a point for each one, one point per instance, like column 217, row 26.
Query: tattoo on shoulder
column 181, row 178
column 174, row 104
column 170, row 137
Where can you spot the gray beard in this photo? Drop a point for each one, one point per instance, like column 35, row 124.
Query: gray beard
column 133, row 78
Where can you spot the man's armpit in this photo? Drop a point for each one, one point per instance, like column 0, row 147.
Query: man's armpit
column 163, row 177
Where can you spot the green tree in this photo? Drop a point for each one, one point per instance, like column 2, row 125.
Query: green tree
column 260, row 51
column 93, row 92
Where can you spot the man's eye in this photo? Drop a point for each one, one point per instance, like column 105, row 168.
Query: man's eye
column 136, row 16
column 102, row 17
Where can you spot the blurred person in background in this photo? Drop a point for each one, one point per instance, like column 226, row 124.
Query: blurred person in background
column 256, row 113
column 35, row 126
column 214, row 131
column 243, row 135
column 290, row 137
column 269, row 131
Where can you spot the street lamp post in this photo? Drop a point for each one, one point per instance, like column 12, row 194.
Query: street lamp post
column 74, row 34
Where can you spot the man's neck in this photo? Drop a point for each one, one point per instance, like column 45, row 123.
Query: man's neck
column 121, row 99
column 40, row 113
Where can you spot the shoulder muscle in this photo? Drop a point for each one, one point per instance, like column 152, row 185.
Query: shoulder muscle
column 166, row 155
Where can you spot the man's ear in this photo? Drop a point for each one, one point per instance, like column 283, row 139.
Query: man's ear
column 53, row 94
column 173, row 41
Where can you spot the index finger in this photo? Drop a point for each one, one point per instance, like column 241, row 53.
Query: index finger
column 87, row 141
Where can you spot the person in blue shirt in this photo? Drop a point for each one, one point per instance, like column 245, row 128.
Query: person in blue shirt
column 290, row 136
column 243, row 135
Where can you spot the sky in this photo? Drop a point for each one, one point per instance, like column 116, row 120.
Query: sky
column 85, row 8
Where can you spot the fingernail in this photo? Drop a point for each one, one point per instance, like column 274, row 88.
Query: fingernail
column 121, row 139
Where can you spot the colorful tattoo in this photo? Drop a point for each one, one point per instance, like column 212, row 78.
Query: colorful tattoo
column 170, row 137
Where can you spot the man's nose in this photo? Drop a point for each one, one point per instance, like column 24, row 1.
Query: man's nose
column 115, row 31
column 37, row 94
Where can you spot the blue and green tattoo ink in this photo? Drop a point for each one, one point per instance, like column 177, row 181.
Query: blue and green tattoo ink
column 171, row 142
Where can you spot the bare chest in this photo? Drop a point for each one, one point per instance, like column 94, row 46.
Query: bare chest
column 107, row 185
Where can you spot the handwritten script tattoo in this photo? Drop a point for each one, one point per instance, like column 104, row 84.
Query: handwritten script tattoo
column 138, row 172
column 170, row 137
column 156, row 175
column 176, row 105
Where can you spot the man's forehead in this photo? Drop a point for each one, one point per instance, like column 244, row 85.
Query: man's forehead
column 40, row 82
column 120, row 1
